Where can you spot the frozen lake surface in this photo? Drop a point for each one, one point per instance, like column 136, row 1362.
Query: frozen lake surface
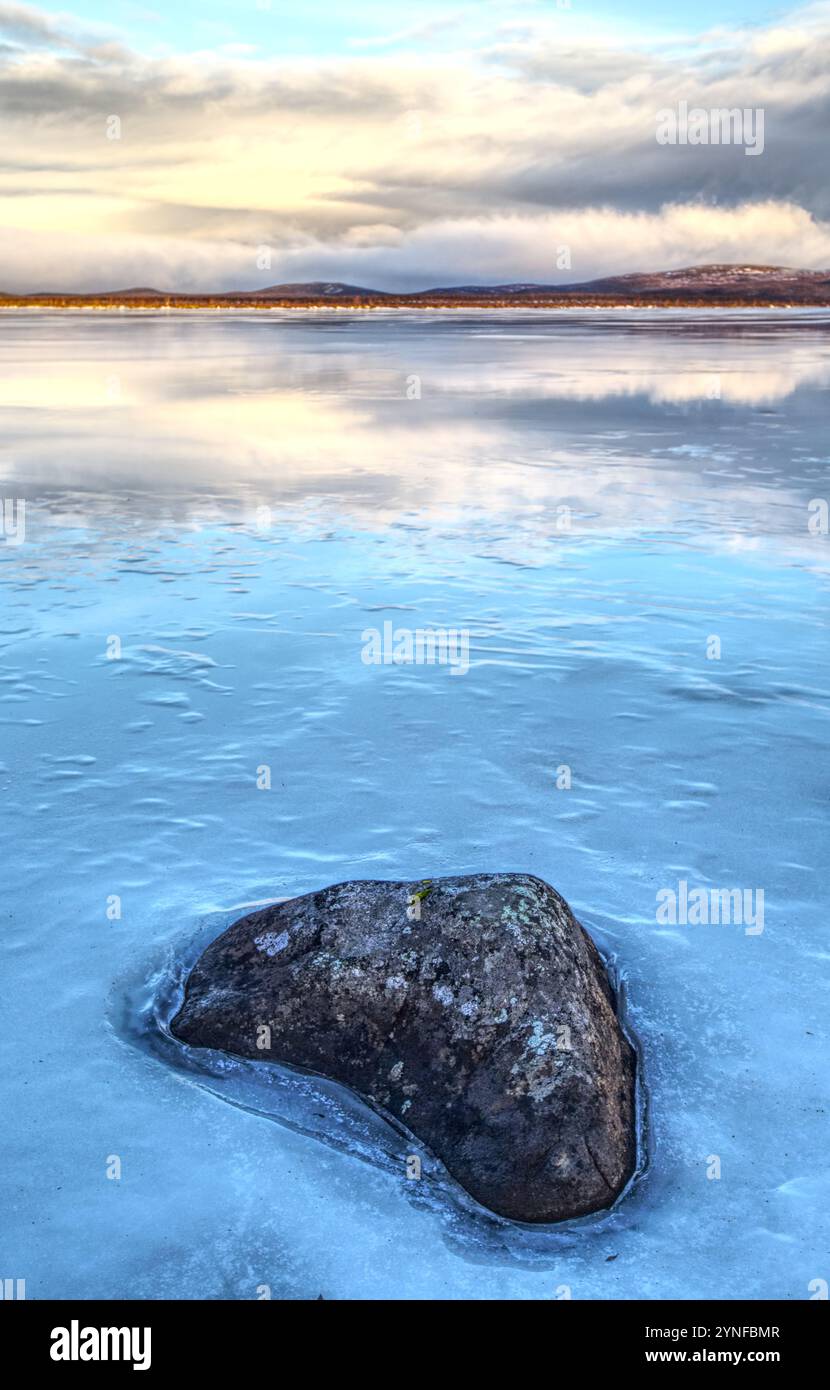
column 618, row 511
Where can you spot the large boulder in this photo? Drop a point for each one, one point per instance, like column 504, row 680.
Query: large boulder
column 474, row 1010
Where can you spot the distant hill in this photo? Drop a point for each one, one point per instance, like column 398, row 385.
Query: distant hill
column 731, row 286
column 313, row 289
column 703, row 281
column 717, row 279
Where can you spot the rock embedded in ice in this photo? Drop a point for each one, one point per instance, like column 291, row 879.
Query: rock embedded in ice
column 475, row 1010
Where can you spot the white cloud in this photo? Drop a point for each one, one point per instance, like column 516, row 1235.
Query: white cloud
column 473, row 167
column 452, row 251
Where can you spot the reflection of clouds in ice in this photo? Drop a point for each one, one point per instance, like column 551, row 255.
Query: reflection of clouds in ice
column 662, row 369
column 548, row 431
column 667, row 384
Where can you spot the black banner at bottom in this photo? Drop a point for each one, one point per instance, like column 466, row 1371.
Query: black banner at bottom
column 154, row 1337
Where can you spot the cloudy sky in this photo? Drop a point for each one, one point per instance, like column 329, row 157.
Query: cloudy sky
column 402, row 146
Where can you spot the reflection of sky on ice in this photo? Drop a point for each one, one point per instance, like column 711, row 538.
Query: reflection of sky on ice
column 628, row 425
column 144, row 448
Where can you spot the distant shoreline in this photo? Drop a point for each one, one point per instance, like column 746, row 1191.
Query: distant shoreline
column 697, row 287
column 194, row 305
